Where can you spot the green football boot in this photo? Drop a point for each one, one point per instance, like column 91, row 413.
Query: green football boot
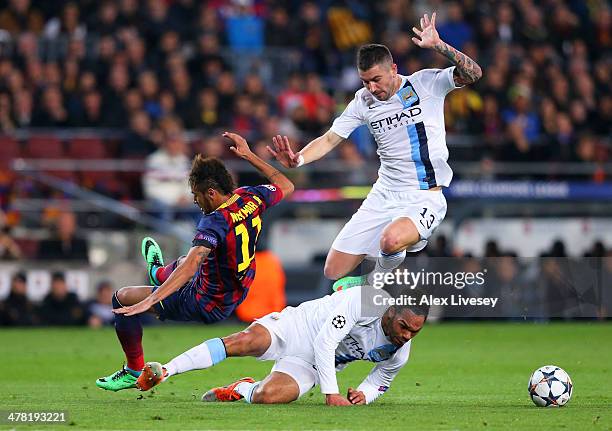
column 117, row 381
column 153, row 256
column 348, row 282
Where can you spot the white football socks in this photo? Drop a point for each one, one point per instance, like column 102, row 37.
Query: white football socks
column 205, row 355
column 386, row 263
column 246, row 389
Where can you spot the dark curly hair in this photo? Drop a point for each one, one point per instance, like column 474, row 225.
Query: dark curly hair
column 210, row 172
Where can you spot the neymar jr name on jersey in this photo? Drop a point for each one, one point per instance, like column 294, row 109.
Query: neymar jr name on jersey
column 245, row 211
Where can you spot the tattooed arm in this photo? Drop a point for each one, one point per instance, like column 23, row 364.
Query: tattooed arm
column 467, row 71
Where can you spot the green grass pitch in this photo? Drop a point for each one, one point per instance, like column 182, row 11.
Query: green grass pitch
column 460, row 377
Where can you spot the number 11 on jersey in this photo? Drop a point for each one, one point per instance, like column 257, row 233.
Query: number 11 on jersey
column 247, row 249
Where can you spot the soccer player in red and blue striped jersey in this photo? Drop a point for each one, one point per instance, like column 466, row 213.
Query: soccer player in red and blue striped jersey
column 215, row 276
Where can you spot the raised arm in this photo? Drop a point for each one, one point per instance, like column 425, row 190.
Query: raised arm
column 315, row 149
column 467, row 71
column 241, row 149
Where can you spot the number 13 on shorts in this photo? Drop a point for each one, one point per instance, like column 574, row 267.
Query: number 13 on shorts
column 427, row 218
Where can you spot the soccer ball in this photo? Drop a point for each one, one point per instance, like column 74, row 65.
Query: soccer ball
column 550, row 386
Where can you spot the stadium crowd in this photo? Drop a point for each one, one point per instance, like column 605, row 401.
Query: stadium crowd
column 130, row 64
column 150, row 70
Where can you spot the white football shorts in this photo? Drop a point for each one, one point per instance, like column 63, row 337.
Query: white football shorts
column 362, row 233
column 292, row 354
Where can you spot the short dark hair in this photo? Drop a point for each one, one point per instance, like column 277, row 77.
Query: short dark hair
column 372, row 54
column 417, row 293
column 21, row 276
column 58, row 276
column 210, row 172
column 419, row 310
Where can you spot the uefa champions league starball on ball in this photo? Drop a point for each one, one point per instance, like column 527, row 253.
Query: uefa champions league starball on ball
column 550, row 386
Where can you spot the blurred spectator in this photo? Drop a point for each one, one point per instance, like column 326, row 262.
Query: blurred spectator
column 100, row 310
column 492, row 249
column 439, row 248
column 354, row 162
column 23, row 108
column 280, row 30
column 245, row 30
column 165, row 179
column 9, row 249
column 68, row 25
column 523, row 125
column 138, row 143
column 61, row 307
column 17, row 310
column 20, row 17
column 455, row 30
column 52, row 112
column 208, row 109
column 7, row 124
column 557, row 250
column 598, row 250
column 211, row 147
column 65, row 244
column 92, row 114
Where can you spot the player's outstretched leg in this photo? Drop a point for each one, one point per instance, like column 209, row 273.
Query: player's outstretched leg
column 229, row 393
column 253, row 341
column 152, row 254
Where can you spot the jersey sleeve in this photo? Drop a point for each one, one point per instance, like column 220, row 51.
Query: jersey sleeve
column 337, row 325
column 270, row 194
column 211, row 231
column 438, row 82
column 349, row 120
column 378, row 381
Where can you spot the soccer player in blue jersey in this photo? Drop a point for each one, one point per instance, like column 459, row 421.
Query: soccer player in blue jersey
column 214, row 277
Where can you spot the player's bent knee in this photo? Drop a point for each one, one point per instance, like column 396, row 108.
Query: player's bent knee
column 331, row 272
column 391, row 244
column 123, row 296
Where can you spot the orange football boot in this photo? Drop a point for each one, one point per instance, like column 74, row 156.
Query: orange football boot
column 152, row 375
column 226, row 393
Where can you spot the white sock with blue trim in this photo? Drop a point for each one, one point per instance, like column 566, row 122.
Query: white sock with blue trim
column 205, row 355
column 386, row 263
column 246, row 389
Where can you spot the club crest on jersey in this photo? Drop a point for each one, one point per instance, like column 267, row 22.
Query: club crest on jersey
column 408, row 96
column 382, row 353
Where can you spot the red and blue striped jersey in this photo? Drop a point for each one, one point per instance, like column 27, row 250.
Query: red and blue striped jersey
column 231, row 232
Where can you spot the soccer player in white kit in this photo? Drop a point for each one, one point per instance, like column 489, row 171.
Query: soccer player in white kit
column 309, row 344
column 405, row 114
